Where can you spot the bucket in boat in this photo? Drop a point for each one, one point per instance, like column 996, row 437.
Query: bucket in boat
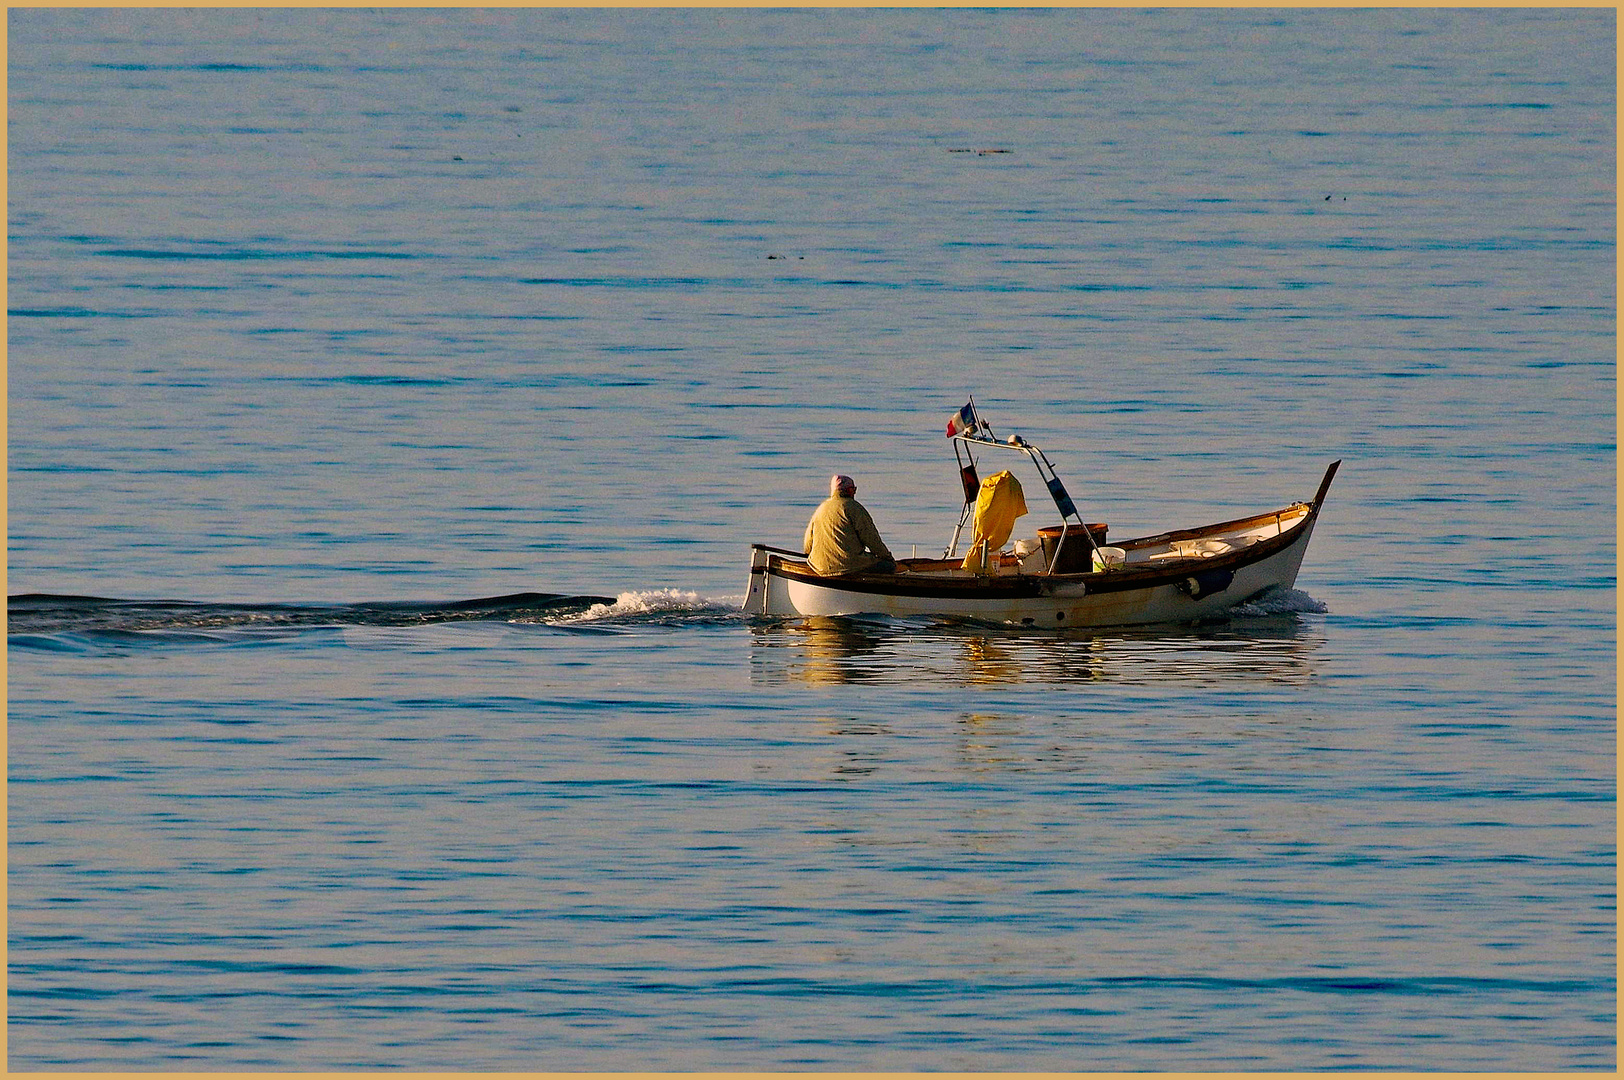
column 1075, row 556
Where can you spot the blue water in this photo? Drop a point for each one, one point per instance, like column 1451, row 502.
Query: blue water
column 393, row 397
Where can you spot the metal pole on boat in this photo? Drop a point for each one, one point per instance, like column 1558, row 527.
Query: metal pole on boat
column 981, row 432
column 1062, row 501
column 972, row 488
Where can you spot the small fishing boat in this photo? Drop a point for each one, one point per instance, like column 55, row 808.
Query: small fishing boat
column 1068, row 575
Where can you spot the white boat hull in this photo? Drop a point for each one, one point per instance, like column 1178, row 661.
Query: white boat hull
column 1172, row 578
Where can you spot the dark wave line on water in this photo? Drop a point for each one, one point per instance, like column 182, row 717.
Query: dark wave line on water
column 1304, row 984
column 248, row 255
column 49, row 613
column 913, row 989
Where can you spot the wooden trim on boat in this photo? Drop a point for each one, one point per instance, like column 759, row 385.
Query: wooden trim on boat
column 1118, row 579
column 1325, row 485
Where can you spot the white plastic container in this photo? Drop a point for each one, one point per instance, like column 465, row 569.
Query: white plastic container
column 1109, row 558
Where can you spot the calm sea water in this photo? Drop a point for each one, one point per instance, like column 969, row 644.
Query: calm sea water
column 393, row 396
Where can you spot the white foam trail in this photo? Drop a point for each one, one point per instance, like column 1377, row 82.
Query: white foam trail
column 1283, row 602
column 643, row 603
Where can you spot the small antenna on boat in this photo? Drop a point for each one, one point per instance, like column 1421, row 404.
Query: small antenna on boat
column 980, row 424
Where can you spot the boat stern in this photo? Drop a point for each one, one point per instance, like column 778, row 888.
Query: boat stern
column 767, row 593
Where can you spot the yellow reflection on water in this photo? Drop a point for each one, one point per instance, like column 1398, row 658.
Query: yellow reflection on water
column 829, row 651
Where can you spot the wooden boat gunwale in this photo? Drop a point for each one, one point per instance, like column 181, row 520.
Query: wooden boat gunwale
column 918, row 579
column 1163, row 577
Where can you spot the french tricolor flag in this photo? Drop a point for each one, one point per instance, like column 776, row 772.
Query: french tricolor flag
column 963, row 420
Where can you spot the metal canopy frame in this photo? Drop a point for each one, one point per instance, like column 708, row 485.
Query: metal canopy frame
column 980, row 434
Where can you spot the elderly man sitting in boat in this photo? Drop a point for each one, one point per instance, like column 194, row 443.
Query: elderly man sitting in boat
column 841, row 537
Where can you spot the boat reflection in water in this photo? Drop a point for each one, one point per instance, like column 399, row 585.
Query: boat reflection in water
column 832, row 650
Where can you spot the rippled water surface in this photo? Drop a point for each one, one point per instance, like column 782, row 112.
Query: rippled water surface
column 393, row 397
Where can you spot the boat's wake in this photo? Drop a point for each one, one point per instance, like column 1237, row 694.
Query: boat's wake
column 42, row 615
column 55, row 623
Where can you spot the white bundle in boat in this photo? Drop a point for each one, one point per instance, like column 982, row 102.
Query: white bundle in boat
column 1030, row 553
column 1109, row 558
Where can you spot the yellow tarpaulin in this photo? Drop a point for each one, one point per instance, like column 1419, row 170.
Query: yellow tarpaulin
column 998, row 504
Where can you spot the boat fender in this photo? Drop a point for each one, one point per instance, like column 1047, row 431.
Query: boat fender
column 1207, row 583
